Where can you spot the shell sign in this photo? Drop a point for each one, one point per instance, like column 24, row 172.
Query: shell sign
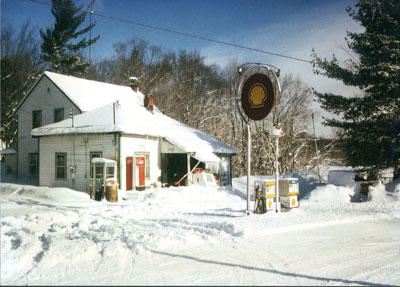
column 258, row 96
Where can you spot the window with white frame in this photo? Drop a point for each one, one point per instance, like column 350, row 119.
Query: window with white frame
column 61, row 165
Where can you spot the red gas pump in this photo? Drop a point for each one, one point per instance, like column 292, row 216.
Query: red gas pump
column 141, row 171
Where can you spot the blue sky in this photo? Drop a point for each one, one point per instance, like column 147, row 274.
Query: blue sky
column 287, row 27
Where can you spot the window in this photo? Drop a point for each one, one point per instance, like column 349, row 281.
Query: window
column 58, row 114
column 110, row 170
column 94, row 154
column 33, row 164
column 61, row 165
column 36, row 119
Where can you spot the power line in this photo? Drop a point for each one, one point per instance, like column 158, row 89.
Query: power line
column 185, row 34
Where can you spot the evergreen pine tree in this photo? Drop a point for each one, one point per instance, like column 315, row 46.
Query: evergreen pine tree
column 60, row 47
column 370, row 124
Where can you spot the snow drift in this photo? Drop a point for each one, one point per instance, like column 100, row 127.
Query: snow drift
column 197, row 236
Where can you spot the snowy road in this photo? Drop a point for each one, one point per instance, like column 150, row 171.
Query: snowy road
column 192, row 236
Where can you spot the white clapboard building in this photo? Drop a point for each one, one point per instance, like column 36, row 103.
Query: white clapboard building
column 121, row 125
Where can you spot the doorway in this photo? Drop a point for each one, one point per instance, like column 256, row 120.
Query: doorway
column 174, row 167
column 129, row 173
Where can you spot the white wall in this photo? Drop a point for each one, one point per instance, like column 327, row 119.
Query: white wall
column 134, row 145
column 78, row 148
column 167, row 147
column 10, row 164
column 45, row 96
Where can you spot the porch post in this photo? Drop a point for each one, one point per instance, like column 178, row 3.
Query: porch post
column 189, row 173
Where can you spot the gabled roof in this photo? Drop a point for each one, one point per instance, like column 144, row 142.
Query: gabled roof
column 85, row 94
column 129, row 116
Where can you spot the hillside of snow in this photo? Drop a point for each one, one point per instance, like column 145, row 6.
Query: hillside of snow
column 198, row 236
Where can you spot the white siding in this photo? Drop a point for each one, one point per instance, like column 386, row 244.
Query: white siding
column 167, row 147
column 77, row 148
column 131, row 146
column 45, row 96
column 11, row 164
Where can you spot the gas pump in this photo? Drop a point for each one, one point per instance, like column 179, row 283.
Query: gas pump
column 140, row 172
column 104, row 180
column 265, row 195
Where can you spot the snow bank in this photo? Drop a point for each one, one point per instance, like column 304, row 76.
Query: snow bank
column 308, row 181
column 332, row 194
column 46, row 194
column 196, row 236
column 341, row 189
column 379, row 193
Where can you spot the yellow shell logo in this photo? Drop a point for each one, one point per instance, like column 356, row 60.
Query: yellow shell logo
column 269, row 204
column 257, row 96
column 293, row 202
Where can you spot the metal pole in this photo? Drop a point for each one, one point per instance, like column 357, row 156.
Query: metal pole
column 189, row 177
column 71, row 115
column 248, row 167
column 316, row 147
column 94, row 180
column 277, row 201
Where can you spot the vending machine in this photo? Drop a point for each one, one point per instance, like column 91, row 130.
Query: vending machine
column 140, row 172
column 104, row 182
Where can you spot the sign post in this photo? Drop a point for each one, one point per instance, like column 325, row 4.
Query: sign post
column 258, row 87
column 248, row 167
column 277, row 133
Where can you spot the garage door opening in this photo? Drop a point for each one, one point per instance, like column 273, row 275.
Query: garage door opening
column 174, row 167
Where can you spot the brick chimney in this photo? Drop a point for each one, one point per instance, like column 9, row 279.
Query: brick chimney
column 134, row 83
column 149, row 103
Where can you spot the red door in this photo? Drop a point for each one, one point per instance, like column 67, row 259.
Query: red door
column 129, row 172
column 141, row 168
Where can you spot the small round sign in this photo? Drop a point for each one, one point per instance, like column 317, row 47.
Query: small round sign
column 258, row 96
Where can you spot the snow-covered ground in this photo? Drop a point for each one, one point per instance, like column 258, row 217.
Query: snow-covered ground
column 197, row 236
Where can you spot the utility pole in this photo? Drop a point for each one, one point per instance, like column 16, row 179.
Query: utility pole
column 90, row 6
column 316, row 148
column 71, row 115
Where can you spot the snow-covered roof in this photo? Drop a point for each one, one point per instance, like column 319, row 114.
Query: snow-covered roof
column 87, row 94
column 131, row 117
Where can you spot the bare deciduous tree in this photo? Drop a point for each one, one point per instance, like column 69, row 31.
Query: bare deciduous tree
column 20, row 65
